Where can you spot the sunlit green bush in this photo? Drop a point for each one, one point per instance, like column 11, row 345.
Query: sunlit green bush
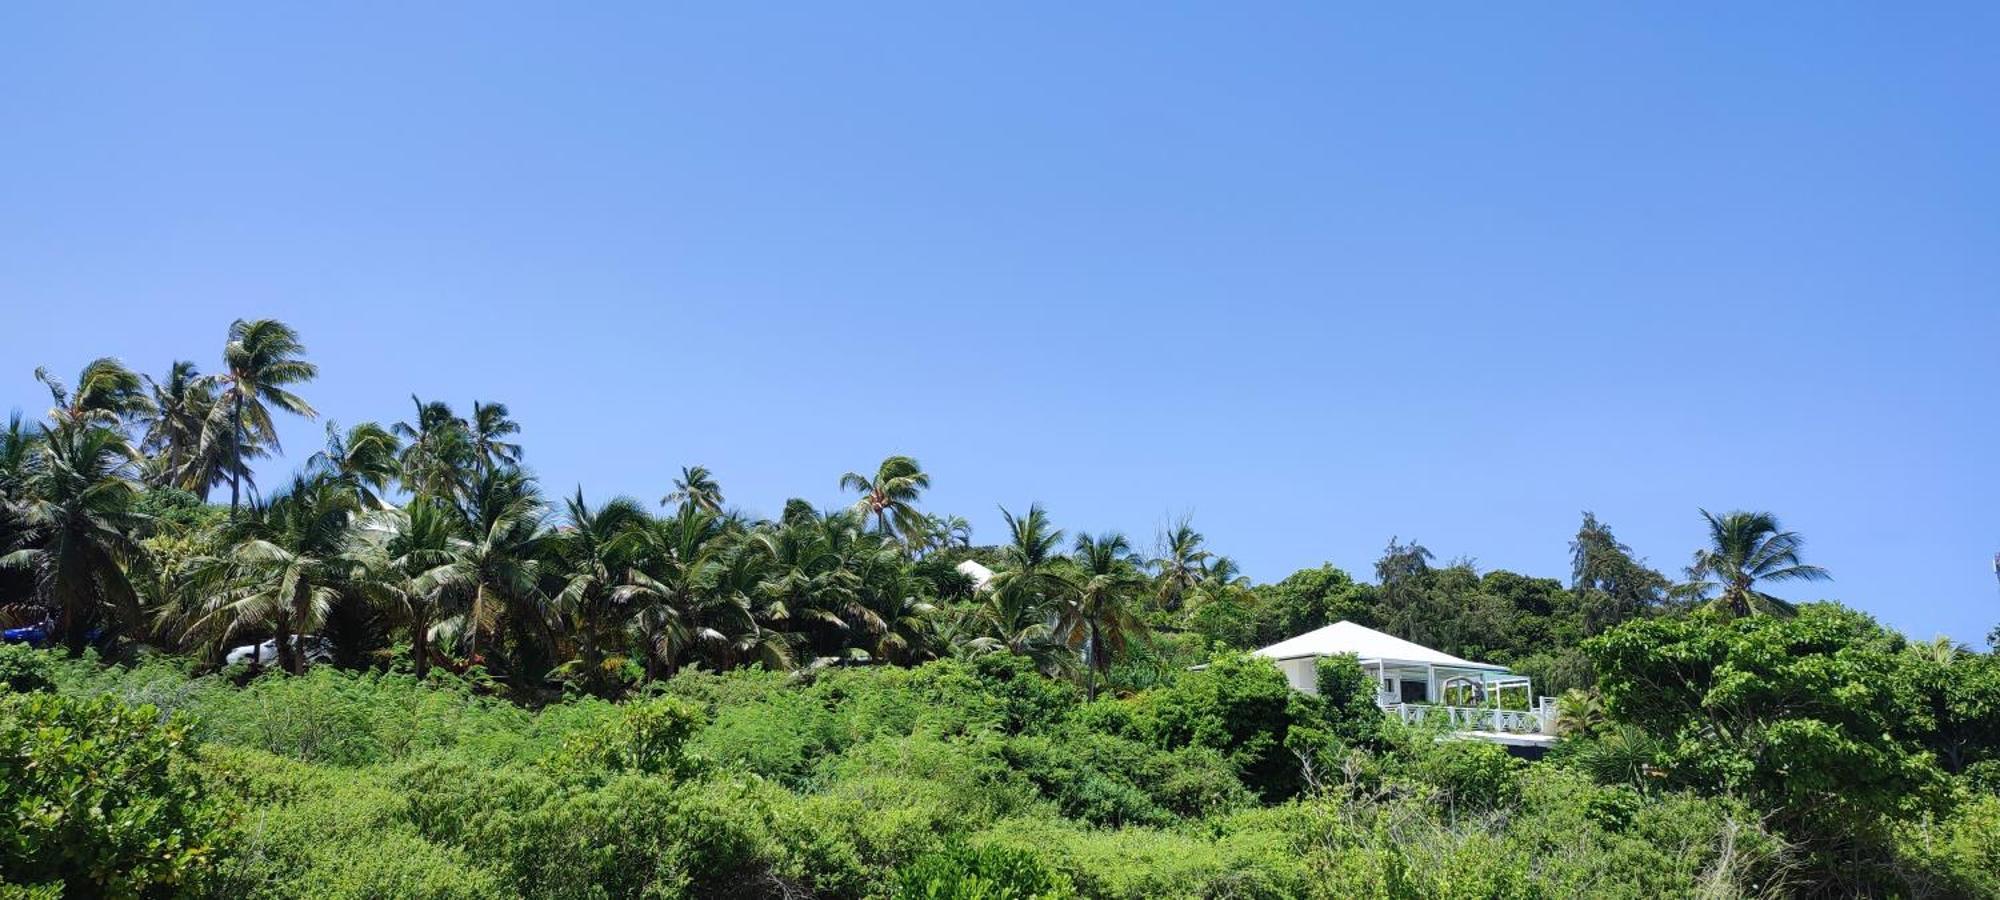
column 101, row 797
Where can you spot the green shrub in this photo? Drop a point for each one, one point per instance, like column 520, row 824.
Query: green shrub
column 24, row 669
column 100, row 796
column 960, row 872
column 649, row 737
column 1240, row 706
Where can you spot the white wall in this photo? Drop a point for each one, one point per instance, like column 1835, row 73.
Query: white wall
column 1302, row 673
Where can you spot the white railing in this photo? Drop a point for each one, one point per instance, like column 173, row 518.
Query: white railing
column 1474, row 718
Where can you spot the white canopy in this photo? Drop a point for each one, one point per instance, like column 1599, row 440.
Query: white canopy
column 1369, row 645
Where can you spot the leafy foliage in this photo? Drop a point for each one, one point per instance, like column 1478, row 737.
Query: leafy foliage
column 99, row 796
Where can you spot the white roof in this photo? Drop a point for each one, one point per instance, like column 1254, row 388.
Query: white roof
column 1366, row 643
column 979, row 574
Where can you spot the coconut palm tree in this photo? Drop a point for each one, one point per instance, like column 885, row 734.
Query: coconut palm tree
column 489, row 424
column 891, row 495
column 677, row 613
column 1747, row 549
column 498, row 569
column 364, row 458
column 285, row 567
column 262, row 359
column 1097, row 618
column 957, row 532
column 172, row 428
column 1180, row 563
column 594, row 556
column 813, row 582
column 1027, row 586
column 401, row 561
column 76, row 525
column 106, row 394
column 18, row 445
column 438, row 457
column 696, row 486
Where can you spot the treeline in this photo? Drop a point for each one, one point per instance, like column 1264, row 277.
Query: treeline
column 427, row 540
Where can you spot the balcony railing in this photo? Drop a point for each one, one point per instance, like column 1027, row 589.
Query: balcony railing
column 1540, row 720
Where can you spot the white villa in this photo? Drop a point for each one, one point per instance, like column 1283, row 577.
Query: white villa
column 1416, row 683
column 980, row 575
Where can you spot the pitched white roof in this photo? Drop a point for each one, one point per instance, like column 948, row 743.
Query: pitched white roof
column 1366, row 643
column 979, row 574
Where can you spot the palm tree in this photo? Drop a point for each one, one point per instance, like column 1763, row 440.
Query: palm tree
column 106, row 394
column 696, row 486
column 401, row 560
column 595, row 557
column 262, row 359
column 1097, row 617
column 438, row 455
column 957, row 532
column 18, row 447
column 498, row 568
column 363, row 458
column 891, row 496
column 76, row 526
column 285, row 568
column 670, row 586
column 173, row 427
column 1179, row 566
column 1747, row 549
column 1019, row 604
column 489, row 424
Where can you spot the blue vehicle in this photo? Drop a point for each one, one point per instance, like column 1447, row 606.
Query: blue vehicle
column 32, row 635
column 39, row 635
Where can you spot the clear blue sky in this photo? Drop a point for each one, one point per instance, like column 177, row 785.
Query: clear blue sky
column 1318, row 276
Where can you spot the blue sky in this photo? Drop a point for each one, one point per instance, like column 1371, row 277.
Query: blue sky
column 1318, row 276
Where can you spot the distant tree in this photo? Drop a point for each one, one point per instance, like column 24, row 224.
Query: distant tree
column 284, row 569
column 891, row 495
column 437, row 458
column 173, row 427
column 107, row 394
column 1747, row 549
column 1097, row 618
column 1027, row 583
column 490, row 423
column 498, row 568
column 1811, row 718
column 1309, row 599
column 1958, row 695
column 595, row 555
column 401, row 563
column 697, row 487
column 262, row 359
column 76, row 525
column 1407, row 604
column 1611, row 585
column 362, row 458
column 1180, row 562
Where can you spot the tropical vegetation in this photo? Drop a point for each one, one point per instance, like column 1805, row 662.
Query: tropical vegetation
column 477, row 690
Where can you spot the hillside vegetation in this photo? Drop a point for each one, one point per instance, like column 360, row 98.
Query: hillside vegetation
column 480, row 692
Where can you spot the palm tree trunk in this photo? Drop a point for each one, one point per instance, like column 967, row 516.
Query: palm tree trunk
column 236, row 454
column 420, row 649
column 287, row 655
column 478, row 607
column 1090, row 663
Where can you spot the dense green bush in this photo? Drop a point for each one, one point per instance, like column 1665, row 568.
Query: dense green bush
column 960, row 872
column 23, row 669
column 100, row 797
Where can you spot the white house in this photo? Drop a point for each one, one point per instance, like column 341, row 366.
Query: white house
column 1416, row 682
column 980, row 575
